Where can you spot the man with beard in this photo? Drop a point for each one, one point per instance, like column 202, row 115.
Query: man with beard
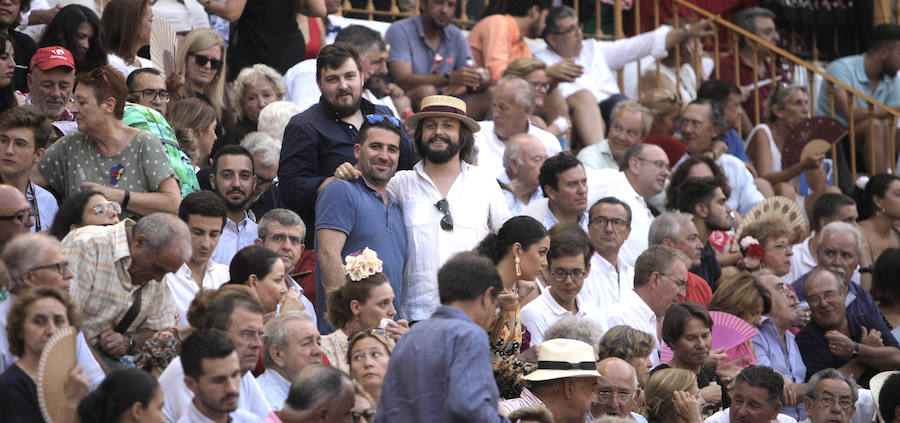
column 499, row 38
column 51, row 81
column 318, row 140
column 212, row 371
column 233, row 179
column 429, row 55
column 874, row 73
column 704, row 199
column 362, row 213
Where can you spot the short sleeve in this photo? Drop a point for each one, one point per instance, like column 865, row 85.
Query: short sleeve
column 336, row 207
column 54, row 166
column 398, row 38
column 153, row 160
column 161, row 313
column 463, row 52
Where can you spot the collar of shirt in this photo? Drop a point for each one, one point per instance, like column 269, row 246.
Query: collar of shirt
column 122, row 249
column 276, row 379
column 375, row 193
column 646, row 313
column 463, row 170
column 420, row 31
column 552, row 220
column 237, row 226
column 365, row 107
column 185, row 271
column 604, row 150
column 859, row 71
column 558, row 309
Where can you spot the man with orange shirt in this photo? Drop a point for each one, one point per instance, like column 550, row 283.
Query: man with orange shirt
column 499, row 38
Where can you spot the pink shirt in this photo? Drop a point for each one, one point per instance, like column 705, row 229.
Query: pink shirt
column 495, row 42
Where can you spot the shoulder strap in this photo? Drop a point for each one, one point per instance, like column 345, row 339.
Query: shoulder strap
column 132, row 312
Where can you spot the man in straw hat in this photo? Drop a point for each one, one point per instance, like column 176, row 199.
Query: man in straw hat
column 448, row 204
column 564, row 382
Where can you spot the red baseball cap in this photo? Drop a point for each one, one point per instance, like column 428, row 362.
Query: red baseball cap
column 48, row 58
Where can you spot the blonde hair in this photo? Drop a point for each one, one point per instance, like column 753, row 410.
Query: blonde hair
column 661, row 102
column 766, row 230
column 778, row 98
column 249, row 76
column 660, row 390
column 741, row 294
column 202, row 39
column 523, row 66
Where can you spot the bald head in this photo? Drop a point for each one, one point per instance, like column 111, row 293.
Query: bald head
column 616, row 369
column 512, row 106
column 522, row 160
column 14, row 218
column 616, row 388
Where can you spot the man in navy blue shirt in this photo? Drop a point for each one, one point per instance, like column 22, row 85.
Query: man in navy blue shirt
column 440, row 371
column 360, row 213
column 321, row 138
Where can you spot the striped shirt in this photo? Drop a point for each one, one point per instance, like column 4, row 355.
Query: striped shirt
column 99, row 256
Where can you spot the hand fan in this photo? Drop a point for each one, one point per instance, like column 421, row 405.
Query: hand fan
column 778, row 207
column 728, row 331
column 819, row 128
column 162, row 46
column 57, row 361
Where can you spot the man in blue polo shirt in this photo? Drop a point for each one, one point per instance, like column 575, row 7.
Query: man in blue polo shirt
column 873, row 73
column 353, row 215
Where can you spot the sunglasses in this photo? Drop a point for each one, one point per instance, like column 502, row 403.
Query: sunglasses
column 447, row 221
column 374, row 119
column 100, row 208
column 366, row 414
column 201, row 61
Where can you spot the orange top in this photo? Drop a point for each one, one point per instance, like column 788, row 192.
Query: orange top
column 495, row 42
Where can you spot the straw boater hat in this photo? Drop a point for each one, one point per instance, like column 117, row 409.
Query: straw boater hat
column 443, row 106
column 561, row 358
column 875, row 385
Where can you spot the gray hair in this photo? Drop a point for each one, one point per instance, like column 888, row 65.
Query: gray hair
column 657, row 258
column 513, row 150
column 248, row 76
column 716, row 114
column 164, row 230
column 839, row 276
column 556, row 14
column 263, row 147
column 668, row 226
column 830, row 373
column 316, row 384
column 577, row 328
column 633, row 106
column 524, row 96
column 837, row 227
column 283, row 217
column 276, row 333
column 746, row 19
column 275, row 117
column 25, row 252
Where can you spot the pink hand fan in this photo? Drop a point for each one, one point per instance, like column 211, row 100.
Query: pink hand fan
column 728, row 332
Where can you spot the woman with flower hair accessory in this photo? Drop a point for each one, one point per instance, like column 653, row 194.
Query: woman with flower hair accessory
column 519, row 251
column 364, row 301
column 765, row 244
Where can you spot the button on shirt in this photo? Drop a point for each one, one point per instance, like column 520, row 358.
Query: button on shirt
column 544, row 311
column 606, row 284
column 184, row 288
column 178, row 398
column 601, row 58
column 234, row 237
column 490, row 148
column 784, row 357
column 408, row 45
column 744, row 194
column 633, row 312
column 612, row 183
column 598, row 156
column 274, row 387
column 477, row 207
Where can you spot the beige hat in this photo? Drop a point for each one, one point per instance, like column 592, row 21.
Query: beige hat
column 561, row 358
column 443, row 106
column 875, row 385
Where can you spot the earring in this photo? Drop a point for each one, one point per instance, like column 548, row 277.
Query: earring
column 518, row 268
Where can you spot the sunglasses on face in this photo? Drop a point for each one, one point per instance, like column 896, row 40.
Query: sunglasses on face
column 201, row 61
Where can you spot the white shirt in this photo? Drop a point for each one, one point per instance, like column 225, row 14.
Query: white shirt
column 274, row 387
column 118, row 64
column 234, row 237
column 633, row 312
column 612, row 183
column 477, row 207
column 46, row 204
column 724, row 417
column 193, row 415
column 178, row 397
column 300, row 80
column 544, row 311
column 601, row 58
column 516, row 206
column 605, row 285
column 865, row 408
column 183, row 15
column 184, row 288
column 744, row 194
column 540, row 210
column 490, row 148
column 309, row 309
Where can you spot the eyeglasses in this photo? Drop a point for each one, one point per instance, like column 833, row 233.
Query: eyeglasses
column 150, row 94
column 202, row 60
column 661, row 165
column 616, row 222
column 60, row 267
column 561, row 275
column 573, row 28
column 541, row 86
column 367, row 414
column 826, row 297
column 447, row 221
column 100, row 73
column 678, row 282
column 620, row 395
column 828, row 401
column 20, row 218
column 263, row 181
column 100, row 208
column 374, row 119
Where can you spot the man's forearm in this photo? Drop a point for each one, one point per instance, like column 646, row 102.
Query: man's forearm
column 332, row 270
column 882, row 358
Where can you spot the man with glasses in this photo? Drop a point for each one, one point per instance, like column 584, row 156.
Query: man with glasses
column 859, row 345
column 568, row 263
column 147, row 87
column 238, row 315
column 617, row 391
column 282, row 231
column 677, row 230
column 831, row 396
column 16, row 216
column 512, row 107
column 611, row 276
column 51, row 81
column 353, row 215
column 660, row 280
column 266, row 194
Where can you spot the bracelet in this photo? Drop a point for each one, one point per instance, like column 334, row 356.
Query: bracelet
column 855, row 351
column 125, row 199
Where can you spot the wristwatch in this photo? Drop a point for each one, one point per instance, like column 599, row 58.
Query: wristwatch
column 855, row 351
column 132, row 345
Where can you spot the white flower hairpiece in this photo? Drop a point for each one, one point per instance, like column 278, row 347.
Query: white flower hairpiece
column 862, row 181
column 362, row 264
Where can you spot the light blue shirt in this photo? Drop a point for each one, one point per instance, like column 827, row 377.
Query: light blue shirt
column 784, row 357
column 850, row 70
column 234, row 237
